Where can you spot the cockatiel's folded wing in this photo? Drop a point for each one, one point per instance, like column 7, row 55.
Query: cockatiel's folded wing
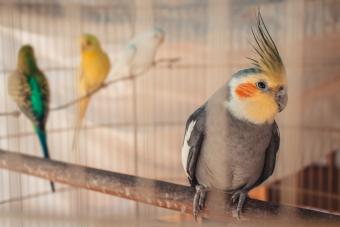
column 270, row 157
column 193, row 140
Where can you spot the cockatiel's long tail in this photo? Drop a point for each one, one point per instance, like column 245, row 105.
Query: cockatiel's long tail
column 41, row 133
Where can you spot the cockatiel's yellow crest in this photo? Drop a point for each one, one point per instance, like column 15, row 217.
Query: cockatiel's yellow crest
column 259, row 93
column 269, row 60
column 94, row 69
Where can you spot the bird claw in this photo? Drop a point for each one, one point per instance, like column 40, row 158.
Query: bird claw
column 235, row 196
column 241, row 197
column 199, row 200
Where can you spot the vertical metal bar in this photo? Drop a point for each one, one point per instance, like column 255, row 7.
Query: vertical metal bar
column 144, row 20
column 338, row 180
column 13, row 127
column 135, row 124
column 320, row 189
column 218, row 42
column 330, row 179
column 294, row 20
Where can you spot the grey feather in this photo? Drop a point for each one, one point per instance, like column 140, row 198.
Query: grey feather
column 195, row 142
column 228, row 153
column 270, row 158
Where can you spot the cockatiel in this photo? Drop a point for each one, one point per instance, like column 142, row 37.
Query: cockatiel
column 139, row 54
column 94, row 69
column 231, row 141
column 29, row 88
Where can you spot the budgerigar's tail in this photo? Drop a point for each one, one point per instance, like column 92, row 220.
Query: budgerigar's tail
column 82, row 107
column 41, row 132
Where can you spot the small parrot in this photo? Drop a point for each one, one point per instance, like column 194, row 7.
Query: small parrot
column 139, row 54
column 29, row 88
column 94, row 69
column 231, row 141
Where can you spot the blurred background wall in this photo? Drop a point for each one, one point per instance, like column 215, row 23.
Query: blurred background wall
column 212, row 39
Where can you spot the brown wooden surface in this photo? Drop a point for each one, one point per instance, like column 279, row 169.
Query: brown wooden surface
column 158, row 193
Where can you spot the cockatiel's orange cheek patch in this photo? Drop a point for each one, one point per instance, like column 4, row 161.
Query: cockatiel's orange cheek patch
column 246, row 90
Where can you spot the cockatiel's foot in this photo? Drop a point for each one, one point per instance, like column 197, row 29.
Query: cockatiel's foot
column 199, row 200
column 240, row 197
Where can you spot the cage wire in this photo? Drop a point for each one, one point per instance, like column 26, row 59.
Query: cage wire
column 136, row 126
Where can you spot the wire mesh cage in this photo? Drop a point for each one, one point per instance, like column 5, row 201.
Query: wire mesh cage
column 136, row 126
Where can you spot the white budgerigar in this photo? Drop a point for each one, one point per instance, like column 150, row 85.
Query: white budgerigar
column 139, row 54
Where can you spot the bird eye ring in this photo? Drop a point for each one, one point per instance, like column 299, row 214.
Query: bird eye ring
column 261, row 85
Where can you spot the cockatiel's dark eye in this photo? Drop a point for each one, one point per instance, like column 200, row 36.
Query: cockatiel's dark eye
column 262, row 85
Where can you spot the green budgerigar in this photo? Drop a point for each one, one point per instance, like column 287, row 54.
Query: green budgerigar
column 29, row 88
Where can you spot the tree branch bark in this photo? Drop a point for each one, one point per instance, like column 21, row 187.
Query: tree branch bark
column 159, row 193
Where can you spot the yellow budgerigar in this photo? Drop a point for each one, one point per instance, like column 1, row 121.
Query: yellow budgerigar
column 94, row 69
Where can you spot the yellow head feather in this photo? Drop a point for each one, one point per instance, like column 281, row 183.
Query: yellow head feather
column 269, row 60
column 89, row 42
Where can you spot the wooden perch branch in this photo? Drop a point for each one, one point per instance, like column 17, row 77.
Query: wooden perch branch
column 159, row 193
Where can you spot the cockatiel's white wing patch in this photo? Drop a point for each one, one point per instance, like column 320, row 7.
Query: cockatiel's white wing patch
column 186, row 147
column 192, row 144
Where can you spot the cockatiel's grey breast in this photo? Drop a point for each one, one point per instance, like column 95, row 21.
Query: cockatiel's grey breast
column 233, row 150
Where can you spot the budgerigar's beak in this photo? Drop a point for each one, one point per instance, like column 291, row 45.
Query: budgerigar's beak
column 159, row 37
column 162, row 39
column 83, row 46
column 83, row 43
column 80, row 41
column 281, row 98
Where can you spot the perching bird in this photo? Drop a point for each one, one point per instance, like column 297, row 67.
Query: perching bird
column 94, row 69
column 231, row 141
column 29, row 88
column 139, row 54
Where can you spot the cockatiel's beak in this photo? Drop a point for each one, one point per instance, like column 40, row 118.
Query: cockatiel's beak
column 281, row 98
